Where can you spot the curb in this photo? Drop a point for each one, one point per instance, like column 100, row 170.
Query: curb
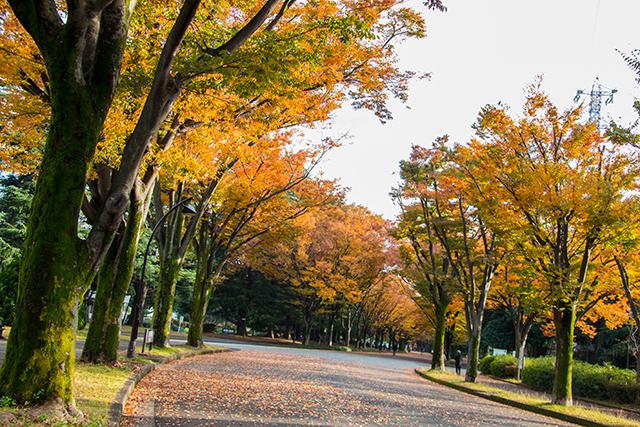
column 582, row 400
column 514, row 403
column 116, row 408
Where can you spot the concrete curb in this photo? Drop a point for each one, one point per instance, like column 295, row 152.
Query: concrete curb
column 117, row 406
column 514, row 403
column 582, row 400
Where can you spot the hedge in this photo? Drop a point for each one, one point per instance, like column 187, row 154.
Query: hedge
column 600, row 382
column 503, row 366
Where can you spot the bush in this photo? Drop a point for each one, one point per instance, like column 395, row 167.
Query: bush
column 538, row 373
column 503, row 366
column 600, row 382
column 7, row 402
column 624, row 393
column 484, row 364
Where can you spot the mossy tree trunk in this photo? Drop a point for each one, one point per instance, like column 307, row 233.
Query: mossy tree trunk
column 196, row 319
column 55, row 267
column 564, row 319
column 164, row 298
column 82, row 65
column 473, row 356
column 114, row 278
column 202, row 290
column 437, row 361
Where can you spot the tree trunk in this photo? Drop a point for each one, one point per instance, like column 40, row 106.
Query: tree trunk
column 349, row 329
column 522, row 326
column 55, row 269
column 437, row 362
column 165, row 295
column 564, row 321
column 473, row 355
column 330, row 338
column 638, row 367
column 103, row 337
column 307, row 332
column 199, row 303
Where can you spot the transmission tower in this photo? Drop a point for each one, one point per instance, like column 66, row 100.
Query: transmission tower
column 597, row 94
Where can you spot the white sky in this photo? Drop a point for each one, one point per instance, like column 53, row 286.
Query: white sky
column 481, row 52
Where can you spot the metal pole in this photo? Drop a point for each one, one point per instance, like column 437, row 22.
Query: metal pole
column 141, row 289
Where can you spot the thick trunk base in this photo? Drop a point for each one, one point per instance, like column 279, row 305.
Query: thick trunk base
column 564, row 321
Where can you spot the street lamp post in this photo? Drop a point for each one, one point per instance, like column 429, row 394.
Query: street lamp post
column 141, row 289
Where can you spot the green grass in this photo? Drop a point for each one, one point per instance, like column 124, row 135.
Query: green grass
column 577, row 411
column 170, row 351
column 95, row 388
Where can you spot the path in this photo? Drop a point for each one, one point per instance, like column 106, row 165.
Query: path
column 261, row 385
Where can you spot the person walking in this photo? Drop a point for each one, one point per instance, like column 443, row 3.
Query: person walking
column 458, row 358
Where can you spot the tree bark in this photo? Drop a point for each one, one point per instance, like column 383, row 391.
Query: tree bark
column 103, row 337
column 564, row 320
column 473, row 355
column 164, row 298
column 349, row 329
column 522, row 326
column 199, row 305
column 55, row 269
column 437, row 362
column 330, row 338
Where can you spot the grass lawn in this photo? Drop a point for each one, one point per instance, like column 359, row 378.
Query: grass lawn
column 95, row 388
column 170, row 351
column 588, row 414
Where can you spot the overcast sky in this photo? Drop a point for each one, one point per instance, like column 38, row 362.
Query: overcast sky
column 480, row 52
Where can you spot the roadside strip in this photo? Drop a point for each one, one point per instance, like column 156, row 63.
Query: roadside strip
column 534, row 405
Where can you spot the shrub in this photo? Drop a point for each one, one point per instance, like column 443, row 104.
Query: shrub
column 503, row 366
column 623, row 393
column 484, row 364
column 538, row 373
column 601, row 382
column 7, row 402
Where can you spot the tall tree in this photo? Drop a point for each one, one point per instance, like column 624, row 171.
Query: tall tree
column 561, row 188
column 420, row 217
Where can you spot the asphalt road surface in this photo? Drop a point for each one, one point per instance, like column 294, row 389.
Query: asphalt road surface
column 276, row 386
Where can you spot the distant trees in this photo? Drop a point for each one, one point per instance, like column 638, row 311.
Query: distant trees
column 335, row 261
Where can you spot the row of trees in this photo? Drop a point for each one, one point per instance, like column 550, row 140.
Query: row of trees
column 122, row 111
column 340, row 261
column 329, row 277
column 537, row 215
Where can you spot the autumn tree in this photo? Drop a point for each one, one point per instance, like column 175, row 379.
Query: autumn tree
column 254, row 200
column 418, row 200
column 329, row 257
column 561, row 188
column 391, row 310
column 81, row 69
column 82, row 54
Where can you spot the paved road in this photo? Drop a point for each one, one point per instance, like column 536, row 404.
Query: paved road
column 263, row 385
